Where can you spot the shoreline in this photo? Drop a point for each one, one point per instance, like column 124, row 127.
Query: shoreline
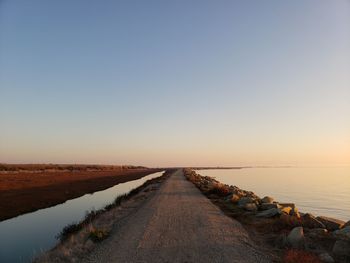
column 280, row 225
column 279, row 229
column 23, row 192
column 76, row 240
column 167, row 221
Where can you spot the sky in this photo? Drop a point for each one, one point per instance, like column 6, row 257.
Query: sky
column 175, row 83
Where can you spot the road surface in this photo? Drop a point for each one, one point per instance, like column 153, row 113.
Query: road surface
column 178, row 224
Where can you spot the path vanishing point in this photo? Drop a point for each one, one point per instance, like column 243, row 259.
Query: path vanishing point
column 178, row 224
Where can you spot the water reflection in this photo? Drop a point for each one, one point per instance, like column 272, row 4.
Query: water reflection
column 26, row 235
column 321, row 191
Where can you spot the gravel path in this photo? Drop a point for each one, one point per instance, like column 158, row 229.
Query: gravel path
column 178, row 224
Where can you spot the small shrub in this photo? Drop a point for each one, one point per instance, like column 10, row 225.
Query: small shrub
column 97, row 235
column 68, row 230
column 298, row 256
column 119, row 199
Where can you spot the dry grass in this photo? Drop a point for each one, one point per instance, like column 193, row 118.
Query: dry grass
column 97, row 235
column 64, row 167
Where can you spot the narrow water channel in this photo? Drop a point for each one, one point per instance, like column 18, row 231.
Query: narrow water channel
column 23, row 237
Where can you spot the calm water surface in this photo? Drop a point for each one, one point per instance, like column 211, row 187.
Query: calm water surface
column 24, row 236
column 320, row 191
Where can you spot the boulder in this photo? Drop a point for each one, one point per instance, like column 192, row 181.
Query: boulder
column 318, row 232
column 250, row 207
column 267, row 200
column 234, row 198
column 347, row 224
column 296, row 237
column 331, row 223
column 343, row 233
column 245, row 200
column 266, row 206
column 287, row 210
column 310, row 221
column 341, row 248
column 288, row 220
column 326, row 258
column 269, row 213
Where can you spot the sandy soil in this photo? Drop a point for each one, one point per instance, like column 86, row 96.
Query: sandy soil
column 178, row 224
column 26, row 192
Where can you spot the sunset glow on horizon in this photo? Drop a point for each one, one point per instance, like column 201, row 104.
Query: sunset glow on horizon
column 183, row 83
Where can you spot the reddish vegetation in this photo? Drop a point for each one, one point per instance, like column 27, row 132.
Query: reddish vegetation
column 23, row 192
column 297, row 256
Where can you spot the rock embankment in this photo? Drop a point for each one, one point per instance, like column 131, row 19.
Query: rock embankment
column 326, row 238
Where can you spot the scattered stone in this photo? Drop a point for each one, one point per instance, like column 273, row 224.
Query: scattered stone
column 326, row 258
column 331, row 223
column 266, row 206
column 267, row 200
column 245, row 200
column 341, row 248
column 343, row 233
column 269, row 213
column 310, row 221
column 296, row 237
column 250, row 207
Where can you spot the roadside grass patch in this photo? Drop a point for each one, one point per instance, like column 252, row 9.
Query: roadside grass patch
column 98, row 235
column 69, row 230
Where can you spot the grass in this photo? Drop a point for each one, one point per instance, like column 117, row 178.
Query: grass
column 74, row 227
column 98, row 235
column 68, row 230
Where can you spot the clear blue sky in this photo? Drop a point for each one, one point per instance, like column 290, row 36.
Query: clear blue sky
column 175, row 82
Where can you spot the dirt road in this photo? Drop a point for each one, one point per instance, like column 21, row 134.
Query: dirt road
column 178, row 224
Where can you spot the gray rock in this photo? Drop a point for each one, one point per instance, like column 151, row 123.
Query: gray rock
column 245, row 200
column 310, row 221
column 267, row 200
column 341, row 248
column 296, row 237
column 343, row 233
column 266, row 206
column 326, row 258
column 269, row 213
column 347, row 224
column 318, row 232
column 250, row 207
column 331, row 223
